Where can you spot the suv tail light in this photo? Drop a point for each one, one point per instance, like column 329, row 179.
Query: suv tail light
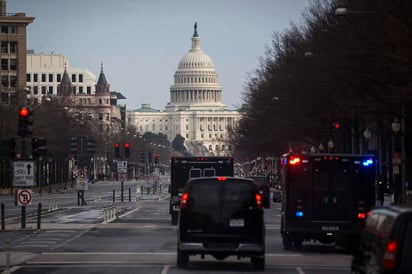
column 183, row 200
column 361, row 210
column 258, row 201
column 389, row 256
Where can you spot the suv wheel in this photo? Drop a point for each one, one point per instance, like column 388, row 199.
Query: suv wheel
column 258, row 262
column 182, row 259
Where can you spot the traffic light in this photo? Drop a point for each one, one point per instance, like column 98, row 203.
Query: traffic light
column 25, row 123
column 38, row 147
column 333, row 128
column 142, row 157
column 156, row 158
column 126, row 150
column 117, row 150
column 74, row 144
column 90, row 142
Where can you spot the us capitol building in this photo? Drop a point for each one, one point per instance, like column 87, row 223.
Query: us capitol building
column 195, row 110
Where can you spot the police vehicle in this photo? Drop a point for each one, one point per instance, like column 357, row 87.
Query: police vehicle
column 325, row 197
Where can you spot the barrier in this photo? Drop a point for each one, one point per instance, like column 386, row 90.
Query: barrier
column 109, row 213
column 52, row 205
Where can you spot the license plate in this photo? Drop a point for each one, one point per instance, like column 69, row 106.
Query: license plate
column 236, row 222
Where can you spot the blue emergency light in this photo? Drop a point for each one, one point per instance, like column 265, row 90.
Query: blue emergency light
column 367, row 162
column 299, row 214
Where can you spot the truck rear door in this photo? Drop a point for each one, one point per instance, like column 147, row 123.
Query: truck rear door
column 331, row 189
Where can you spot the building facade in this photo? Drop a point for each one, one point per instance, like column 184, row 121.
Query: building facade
column 195, row 110
column 45, row 72
column 13, row 44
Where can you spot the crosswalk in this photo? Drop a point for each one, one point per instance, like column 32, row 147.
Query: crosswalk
column 43, row 240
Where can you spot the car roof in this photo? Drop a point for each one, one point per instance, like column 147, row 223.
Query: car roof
column 393, row 209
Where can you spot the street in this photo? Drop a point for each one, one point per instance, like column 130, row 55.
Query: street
column 139, row 239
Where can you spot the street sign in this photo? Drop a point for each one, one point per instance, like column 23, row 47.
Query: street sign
column 23, row 173
column 121, row 176
column 122, row 167
column 81, row 183
column 24, row 197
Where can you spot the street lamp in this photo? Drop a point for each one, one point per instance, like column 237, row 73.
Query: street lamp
column 345, row 11
column 367, row 135
column 399, row 156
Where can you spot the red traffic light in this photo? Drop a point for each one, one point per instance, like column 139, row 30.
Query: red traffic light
column 117, row 145
column 336, row 125
column 24, row 112
column 126, row 145
column 156, row 155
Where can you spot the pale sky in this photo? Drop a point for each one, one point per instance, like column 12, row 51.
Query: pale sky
column 140, row 42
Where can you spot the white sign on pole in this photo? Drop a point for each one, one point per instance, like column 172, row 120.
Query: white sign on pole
column 24, row 197
column 81, row 183
column 122, row 167
column 23, row 173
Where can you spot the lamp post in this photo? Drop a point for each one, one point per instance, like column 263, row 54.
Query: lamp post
column 399, row 156
column 367, row 135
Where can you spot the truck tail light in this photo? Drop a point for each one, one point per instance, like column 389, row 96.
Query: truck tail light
column 389, row 256
column 183, row 200
column 258, row 201
column 294, row 160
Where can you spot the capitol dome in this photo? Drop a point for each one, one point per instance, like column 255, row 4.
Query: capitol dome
column 195, row 81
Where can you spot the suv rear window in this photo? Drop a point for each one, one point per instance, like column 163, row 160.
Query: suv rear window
column 238, row 195
column 205, row 194
column 235, row 194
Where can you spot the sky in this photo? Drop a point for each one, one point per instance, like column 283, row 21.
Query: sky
column 140, row 42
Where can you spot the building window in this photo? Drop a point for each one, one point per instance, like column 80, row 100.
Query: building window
column 13, row 47
column 51, row 90
column 13, row 64
column 5, row 81
column 81, row 78
column 80, row 89
column 35, row 90
column 28, row 77
column 50, row 77
column 13, row 29
column 74, row 78
column 187, row 136
column 5, row 98
column 59, row 77
column 101, row 116
column 89, row 90
column 4, row 29
column 187, row 127
column 43, row 77
column 4, row 64
column 35, row 77
column 4, row 47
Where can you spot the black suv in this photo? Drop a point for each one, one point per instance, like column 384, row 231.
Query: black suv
column 221, row 216
column 264, row 188
column 385, row 242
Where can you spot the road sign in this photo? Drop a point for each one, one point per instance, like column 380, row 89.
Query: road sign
column 81, row 183
column 24, row 197
column 122, row 167
column 23, row 173
column 121, row 176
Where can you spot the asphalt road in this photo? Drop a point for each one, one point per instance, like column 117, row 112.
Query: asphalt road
column 139, row 239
